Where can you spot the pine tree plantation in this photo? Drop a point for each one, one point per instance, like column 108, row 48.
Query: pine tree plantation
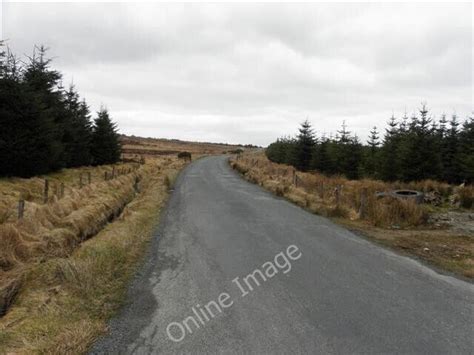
column 411, row 149
column 45, row 127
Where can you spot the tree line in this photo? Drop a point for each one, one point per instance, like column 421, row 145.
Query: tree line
column 45, row 127
column 411, row 149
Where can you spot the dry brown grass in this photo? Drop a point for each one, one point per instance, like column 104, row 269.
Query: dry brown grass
column 318, row 193
column 70, row 289
column 404, row 220
column 466, row 197
column 31, row 190
column 56, row 228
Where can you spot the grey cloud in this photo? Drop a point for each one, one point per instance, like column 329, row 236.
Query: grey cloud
column 249, row 73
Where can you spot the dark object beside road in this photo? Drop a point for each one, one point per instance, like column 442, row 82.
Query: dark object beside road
column 184, row 155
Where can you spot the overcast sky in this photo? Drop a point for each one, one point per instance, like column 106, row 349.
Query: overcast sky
column 251, row 73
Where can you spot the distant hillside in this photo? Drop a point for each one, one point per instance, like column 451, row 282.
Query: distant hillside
column 132, row 145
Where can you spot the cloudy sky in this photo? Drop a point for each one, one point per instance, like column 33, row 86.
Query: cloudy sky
column 250, row 73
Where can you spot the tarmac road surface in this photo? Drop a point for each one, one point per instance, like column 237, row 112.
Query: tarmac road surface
column 335, row 294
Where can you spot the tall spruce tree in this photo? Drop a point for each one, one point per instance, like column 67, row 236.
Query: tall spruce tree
column 419, row 153
column 10, row 94
column 347, row 153
column 404, row 125
column 106, row 148
column 78, row 132
column 304, row 147
column 42, row 123
column 390, row 152
column 442, row 127
column 406, row 143
column 466, row 155
column 426, row 153
column 371, row 158
column 354, row 159
column 450, row 152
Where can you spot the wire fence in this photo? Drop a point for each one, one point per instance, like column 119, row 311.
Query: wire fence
column 56, row 190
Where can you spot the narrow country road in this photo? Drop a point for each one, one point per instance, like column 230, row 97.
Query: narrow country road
column 343, row 295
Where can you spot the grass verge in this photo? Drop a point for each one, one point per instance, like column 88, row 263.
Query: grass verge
column 65, row 303
column 445, row 249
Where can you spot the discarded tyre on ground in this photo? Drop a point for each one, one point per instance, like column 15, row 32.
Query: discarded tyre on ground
column 413, row 195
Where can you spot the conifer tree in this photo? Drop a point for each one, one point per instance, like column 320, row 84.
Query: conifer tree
column 105, row 147
column 347, row 153
column 43, row 123
column 371, row 159
column 390, row 152
column 353, row 159
column 78, row 132
column 442, row 126
column 404, row 125
column 426, row 152
column 322, row 160
column 467, row 151
column 27, row 138
column 9, row 91
column 304, row 147
column 450, row 152
column 419, row 153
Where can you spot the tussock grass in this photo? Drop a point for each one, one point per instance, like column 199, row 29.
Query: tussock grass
column 71, row 284
column 54, row 229
column 318, row 193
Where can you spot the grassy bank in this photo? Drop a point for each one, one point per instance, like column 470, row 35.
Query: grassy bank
column 399, row 224
column 71, row 285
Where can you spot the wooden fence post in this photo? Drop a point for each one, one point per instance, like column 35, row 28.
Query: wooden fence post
column 338, row 195
column 113, row 172
column 61, row 193
column 21, row 208
column 363, row 202
column 321, row 190
column 89, row 177
column 46, row 191
column 294, row 177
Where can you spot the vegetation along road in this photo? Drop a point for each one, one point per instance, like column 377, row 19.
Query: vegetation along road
column 233, row 268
